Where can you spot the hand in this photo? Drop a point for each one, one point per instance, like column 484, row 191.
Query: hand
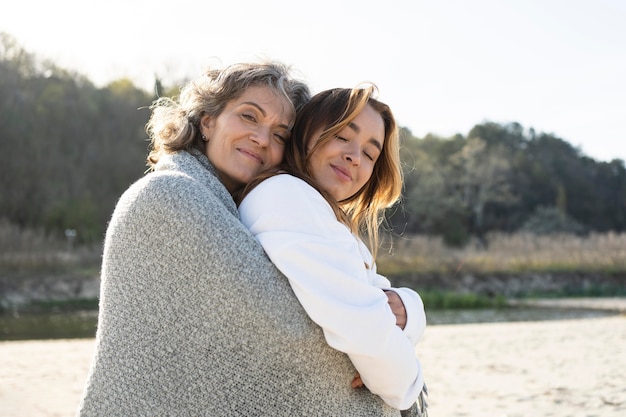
column 357, row 382
column 397, row 307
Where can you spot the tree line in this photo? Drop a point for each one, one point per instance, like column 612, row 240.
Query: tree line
column 69, row 149
column 505, row 178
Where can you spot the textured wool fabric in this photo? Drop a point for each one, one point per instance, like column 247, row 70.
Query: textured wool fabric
column 195, row 320
column 326, row 266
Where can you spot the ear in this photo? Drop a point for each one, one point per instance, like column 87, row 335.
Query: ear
column 206, row 125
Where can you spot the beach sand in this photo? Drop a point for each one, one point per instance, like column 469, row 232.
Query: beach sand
column 546, row 368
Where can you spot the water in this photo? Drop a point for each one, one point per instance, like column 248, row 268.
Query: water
column 82, row 324
column 62, row 325
column 509, row 314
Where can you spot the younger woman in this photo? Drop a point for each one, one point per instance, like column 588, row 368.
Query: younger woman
column 312, row 214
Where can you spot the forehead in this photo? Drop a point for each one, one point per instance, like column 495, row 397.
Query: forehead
column 268, row 101
column 369, row 125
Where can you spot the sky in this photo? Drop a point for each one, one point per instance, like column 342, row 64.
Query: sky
column 444, row 66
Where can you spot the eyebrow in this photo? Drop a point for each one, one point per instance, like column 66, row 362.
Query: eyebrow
column 373, row 141
column 263, row 112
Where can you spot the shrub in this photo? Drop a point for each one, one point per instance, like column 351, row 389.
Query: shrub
column 551, row 220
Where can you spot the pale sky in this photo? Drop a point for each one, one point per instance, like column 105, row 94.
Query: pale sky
column 443, row 66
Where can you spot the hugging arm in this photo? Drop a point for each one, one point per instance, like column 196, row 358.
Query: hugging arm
column 325, row 268
column 414, row 315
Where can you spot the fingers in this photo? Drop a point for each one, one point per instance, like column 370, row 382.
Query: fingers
column 397, row 307
column 357, row 382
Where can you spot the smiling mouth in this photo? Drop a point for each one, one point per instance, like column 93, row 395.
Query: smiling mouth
column 343, row 174
column 252, row 155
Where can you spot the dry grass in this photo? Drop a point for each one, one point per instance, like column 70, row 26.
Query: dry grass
column 27, row 250
column 605, row 253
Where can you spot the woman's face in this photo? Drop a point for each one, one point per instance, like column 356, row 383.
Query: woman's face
column 248, row 136
column 344, row 164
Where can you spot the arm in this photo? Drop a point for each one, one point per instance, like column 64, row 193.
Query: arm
column 405, row 303
column 415, row 317
column 322, row 261
column 397, row 308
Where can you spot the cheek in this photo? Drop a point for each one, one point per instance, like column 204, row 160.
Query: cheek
column 210, row 151
column 366, row 175
column 313, row 165
column 276, row 155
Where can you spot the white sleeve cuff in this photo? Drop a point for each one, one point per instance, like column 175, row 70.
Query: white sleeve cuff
column 415, row 315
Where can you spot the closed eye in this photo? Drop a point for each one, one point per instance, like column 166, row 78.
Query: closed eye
column 248, row 117
column 280, row 138
column 372, row 152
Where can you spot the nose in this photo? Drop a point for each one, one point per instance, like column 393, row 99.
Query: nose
column 353, row 157
column 261, row 137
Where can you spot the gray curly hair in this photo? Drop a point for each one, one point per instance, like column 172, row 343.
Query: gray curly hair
column 174, row 124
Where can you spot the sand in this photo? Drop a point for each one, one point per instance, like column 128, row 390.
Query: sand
column 545, row 368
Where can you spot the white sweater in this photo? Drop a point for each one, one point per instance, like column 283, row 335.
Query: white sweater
column 326, row 267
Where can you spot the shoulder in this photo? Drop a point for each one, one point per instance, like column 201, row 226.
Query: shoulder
column 171, row 196
column 285, row 188
column 180, row 180
column 284, row 194
column 162, row 186
column 284, row 180
column 195, row 175
column 287, row 203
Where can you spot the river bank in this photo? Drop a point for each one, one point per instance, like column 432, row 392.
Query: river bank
column 552, row 368
column 18, row 291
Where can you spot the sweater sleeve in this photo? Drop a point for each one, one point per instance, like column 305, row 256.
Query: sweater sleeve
column 322, row 261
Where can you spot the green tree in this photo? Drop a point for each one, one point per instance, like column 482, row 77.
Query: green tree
column 480, row 176
column 67, row 149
